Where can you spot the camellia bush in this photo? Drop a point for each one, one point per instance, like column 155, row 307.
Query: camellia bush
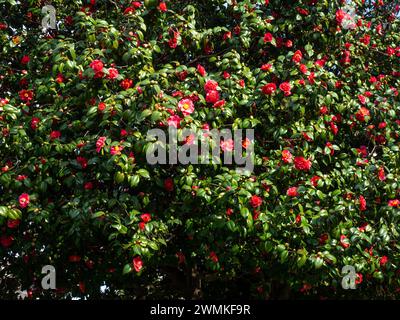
column 318, row 82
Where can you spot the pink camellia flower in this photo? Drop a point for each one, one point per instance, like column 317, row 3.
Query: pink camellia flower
column 287, row 156
column 174, row 121
column 186, row 106
column 116, row 150
column 24, row 200
column 212, row 96
column 137, row 263
column 292, row 192
column 302, row 164
column 210, row 85
column 255, row 201
column 112, row 73
column 286, row 87
column 97, row 66
column 395, row 203
column 190, row 139
column 227, row 145
column 100, row 143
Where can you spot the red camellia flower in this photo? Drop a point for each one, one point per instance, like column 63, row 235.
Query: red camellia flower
column 162, row 7
column 286, row 87
column 344, row 242
column 363, row 203
column 213, row 257
column 146, row 217
column 97, row 66
column 362, row 113
column 112, row 73
column 74, row 258
column 381, row 174
column 88, row 185
column 25, row 60
column 55, row 134
column 23, row 200
column 82, row 161
column 201, row 70
column 255, row 201
column 212, row 96
column 268, row 37
column 137, row 263
column 292, row 192
column 6, row 241
column 383, row 260
column 142, row 225
column 126, row 84
column 340, row 15
column 359, row 278
column 186, row 106
column 297, row 56
column 13, row 223
column 34, row 123
column 210, row 85
column 26, row 95
column 169, row 184
column 266, row 67
column 302, row 164
column 269, row 88
column 323, row 238
column 314, row 180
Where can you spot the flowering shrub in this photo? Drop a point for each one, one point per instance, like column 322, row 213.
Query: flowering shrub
column 319, row 87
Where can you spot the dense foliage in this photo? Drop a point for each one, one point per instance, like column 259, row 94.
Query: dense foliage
column 318, row 84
